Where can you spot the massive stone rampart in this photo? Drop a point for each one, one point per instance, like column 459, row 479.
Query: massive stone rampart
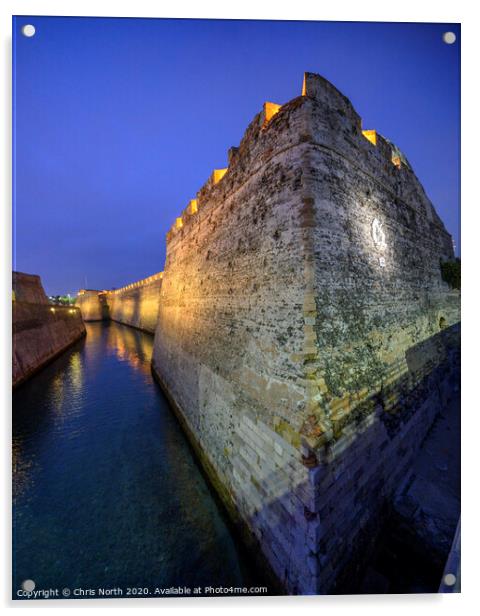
column 305, row 336
column 40, row 331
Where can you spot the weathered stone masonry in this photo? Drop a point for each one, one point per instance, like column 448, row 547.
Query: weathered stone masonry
column 40, row 331
column 92, row 304
column 136, row 304
column 304, row 331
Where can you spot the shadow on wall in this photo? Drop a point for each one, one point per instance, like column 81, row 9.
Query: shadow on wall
column 105, row 309
column 138, row 304
column 319, row 526
column 419, row 357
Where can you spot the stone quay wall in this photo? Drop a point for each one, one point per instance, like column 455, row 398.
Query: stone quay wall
column 305, row 336
column 40, row 331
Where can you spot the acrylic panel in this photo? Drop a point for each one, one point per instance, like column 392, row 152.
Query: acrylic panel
column 236, row 308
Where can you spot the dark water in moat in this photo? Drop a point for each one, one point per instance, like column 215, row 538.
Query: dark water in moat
column 106, row 490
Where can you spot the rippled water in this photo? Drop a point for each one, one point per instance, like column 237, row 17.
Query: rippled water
column 106, row 489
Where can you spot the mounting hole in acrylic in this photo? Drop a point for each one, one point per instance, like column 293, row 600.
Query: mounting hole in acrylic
column 449, row 38
column 450, row 579
column 28, row 30
column 28, row 585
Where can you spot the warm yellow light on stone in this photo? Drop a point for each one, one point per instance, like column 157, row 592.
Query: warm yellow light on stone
column 371, row 135
column 269, row 110
column 396, row 161
column 193, row 206
column 179, row 223
column 304, row 85
column 218, row 174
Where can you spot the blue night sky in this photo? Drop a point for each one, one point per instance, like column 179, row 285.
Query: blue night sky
column 118, row 123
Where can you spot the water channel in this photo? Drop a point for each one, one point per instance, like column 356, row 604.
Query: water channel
column 107, row 492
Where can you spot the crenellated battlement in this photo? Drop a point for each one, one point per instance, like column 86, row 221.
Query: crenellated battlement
column 269, row 110
column 236, row 158
column 137, row 284
column 330, row 121
column 193, row 205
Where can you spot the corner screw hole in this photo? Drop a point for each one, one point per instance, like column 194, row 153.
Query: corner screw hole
column 449, row 38
column 450, row 579
column 28, row 585
column 28, row 30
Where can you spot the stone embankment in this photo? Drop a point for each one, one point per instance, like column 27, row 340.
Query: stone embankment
column 40, row 331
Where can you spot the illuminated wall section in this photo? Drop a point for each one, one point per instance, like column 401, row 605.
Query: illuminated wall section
column 269, row 110
column 218, row 175
column 92, row 304
column 371, row 135
column 137, row 304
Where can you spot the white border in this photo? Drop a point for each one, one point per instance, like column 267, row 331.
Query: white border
column 367, row 10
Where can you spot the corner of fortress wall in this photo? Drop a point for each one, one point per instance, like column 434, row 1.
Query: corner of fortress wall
column 28, row 288
column 92, row 304
column 305, row 336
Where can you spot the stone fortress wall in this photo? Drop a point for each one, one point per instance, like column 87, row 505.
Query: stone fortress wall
column 28, row 288
column 40, row 331
column 304, row 334
column 92, row 304
column 304, row 331
column 135, row 304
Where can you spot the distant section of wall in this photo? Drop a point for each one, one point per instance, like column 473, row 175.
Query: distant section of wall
column 28, row 288
column 137, row 304
column 93, row 304
column 40, row 331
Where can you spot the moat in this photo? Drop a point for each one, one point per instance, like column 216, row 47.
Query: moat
column 106, row 489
